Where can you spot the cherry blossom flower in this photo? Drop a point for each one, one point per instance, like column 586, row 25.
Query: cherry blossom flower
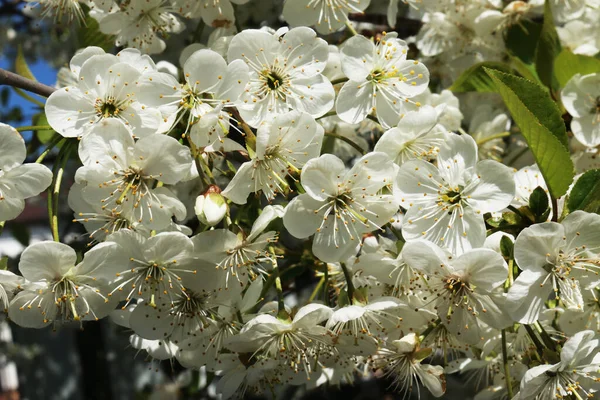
column 287, row 143
column 581, row 98
column 60, row 290
column 105, row 91
column 210, row 85
column 285, row 73
column 381, row 79
column 560, row 259
column 138, row 22
column 340, row 205
column 401, row 360
column 326, row 15
column 120, row 175
column 18, row 181
column 463, row 288
column 418, row 135
column 575, row 374
column 445, row 204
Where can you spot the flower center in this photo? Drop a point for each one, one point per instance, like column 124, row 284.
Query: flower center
column 108, row 108
column 452, row 197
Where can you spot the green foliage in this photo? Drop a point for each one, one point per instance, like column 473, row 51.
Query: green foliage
column 21, row 66
column 539, row 205
column 548, row 47
column 475, row 79
column 89, row 34
column 568, row 64
column 521, row 42
column 43, row 136
column 586, row 193
column 507, row 247
column 541, row 124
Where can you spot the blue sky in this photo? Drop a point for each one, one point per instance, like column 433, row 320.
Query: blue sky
column 43, row 72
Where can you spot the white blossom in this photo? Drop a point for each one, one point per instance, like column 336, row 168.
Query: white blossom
column 340, row 205
column 18, row 181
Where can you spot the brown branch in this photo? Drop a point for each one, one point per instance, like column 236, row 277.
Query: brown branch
column 11, row 79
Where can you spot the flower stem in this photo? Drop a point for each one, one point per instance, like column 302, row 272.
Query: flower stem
column 351, row 28
column 545, row 337
column 326, row 288
column 506, row 366
column 2, row 223
column 54, row 189
column 335, row 82
column 281, row 313
column 33, row 128
column 492, row 137
column 536, row 341
column 347, row 140
column 518, row 212
column 554, row 208
column 316, row 290
column 349, row 283
column 56, row 139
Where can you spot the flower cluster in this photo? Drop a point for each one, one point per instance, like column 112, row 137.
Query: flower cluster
column 433, row 232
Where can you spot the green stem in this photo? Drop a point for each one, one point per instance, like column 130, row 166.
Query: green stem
column 536, row 341
column 518, row 212
column 2, row 223
column 33, row 128
column 326, row 288
column 506, row 366
column 349, row 283
column 351, row 28
column 429, row 329
column 281, row 313
column 54, row 190
column 335, row 82
column 347, row 140
column 396, row 232
column 373, row 118
column 554, row 208
column 329, row 114
column 492, row 137
column 316, row 290
column 56, row 139
column 545, row 337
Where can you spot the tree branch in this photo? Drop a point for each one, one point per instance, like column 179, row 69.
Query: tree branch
column 11, row 79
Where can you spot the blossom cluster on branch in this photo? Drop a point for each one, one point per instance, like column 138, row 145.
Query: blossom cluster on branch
column 441, row 231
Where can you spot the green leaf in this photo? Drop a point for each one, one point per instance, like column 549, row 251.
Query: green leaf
column 527, row 71
column 4, row 263
column 538, row 204
column 586, row 193
column 89, row 34
column 475, row 79
column 521, row 40
column 40, row 120
column 548, row 48
column 541, row 124
column 21, row 66
column 568, row 64
column 507, row 247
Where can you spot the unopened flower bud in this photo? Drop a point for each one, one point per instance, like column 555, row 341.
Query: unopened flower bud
column 211, row 206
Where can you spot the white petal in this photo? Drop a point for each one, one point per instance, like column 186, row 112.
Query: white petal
column 526, row 297
column 300, row 218
column 12, row 147
column 46, row 261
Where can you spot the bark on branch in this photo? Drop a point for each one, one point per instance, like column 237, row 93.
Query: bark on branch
column 11, row 79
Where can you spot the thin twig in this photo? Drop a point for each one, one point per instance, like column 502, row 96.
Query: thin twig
column 506, row 366
column 11, row 79
column 347, row 140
